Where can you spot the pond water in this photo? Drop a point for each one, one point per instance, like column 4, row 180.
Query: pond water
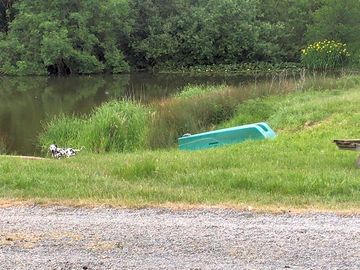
column 27, row 102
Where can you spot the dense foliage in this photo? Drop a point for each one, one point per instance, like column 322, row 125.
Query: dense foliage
column 65, row 37
column 89, row 36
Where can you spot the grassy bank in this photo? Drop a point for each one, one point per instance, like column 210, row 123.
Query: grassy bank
column 301, row 168
column 127, row 125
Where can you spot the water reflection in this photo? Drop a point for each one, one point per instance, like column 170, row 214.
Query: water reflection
column 27, row 102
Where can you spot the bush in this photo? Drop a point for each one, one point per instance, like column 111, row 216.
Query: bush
column 327, row 54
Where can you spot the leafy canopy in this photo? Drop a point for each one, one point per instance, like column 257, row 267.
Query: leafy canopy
column 65, row 36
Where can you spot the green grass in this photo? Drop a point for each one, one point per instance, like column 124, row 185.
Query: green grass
column 114, row 127
column 126, row 126
column 301, row 168
column 191, row 91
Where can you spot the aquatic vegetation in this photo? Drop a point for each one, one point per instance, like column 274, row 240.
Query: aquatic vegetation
column 191, row 91
column 246, row 68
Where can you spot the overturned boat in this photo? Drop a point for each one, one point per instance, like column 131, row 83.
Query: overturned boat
column 257, row 131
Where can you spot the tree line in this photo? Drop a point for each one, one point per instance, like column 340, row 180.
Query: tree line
column 91, row 36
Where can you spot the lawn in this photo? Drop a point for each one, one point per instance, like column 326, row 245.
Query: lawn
column 300, row 169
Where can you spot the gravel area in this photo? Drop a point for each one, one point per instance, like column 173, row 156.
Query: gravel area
column 34, row 237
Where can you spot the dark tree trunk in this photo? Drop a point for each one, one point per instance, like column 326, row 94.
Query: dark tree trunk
column 5, row 17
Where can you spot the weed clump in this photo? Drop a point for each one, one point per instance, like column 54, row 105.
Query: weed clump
column 116, row 126
column 191, row 91
column 326, row 54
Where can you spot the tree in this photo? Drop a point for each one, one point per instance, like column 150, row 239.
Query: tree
column 337, row 20
column 65, row 36
column 201, row 32
column 290, row 19
column 5, row 14
column 91, row 36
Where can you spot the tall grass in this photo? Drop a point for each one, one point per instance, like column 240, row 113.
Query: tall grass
column 115, row 126
column 174, row 117
column 191, row 91
column 62, row 130
column 294, row 111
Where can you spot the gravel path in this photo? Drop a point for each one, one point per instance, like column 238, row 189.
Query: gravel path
column 103, row 238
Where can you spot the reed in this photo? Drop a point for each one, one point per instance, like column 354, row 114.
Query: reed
column 3, row 146
column 191, row 91
column 193, row 110
column 62, row 130
column 113, row 127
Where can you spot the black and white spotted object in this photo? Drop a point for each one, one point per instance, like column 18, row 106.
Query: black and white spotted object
column 58, row 152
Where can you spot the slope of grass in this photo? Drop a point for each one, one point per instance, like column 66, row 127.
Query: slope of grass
column 126, row 125
column 300, row 168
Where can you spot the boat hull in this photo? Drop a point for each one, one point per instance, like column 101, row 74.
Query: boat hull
column 216, row 138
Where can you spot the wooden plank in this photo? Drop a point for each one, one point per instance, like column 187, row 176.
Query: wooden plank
column 347, row 140
column 348, row 144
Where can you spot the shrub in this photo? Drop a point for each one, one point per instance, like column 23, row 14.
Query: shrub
column 326, row 54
